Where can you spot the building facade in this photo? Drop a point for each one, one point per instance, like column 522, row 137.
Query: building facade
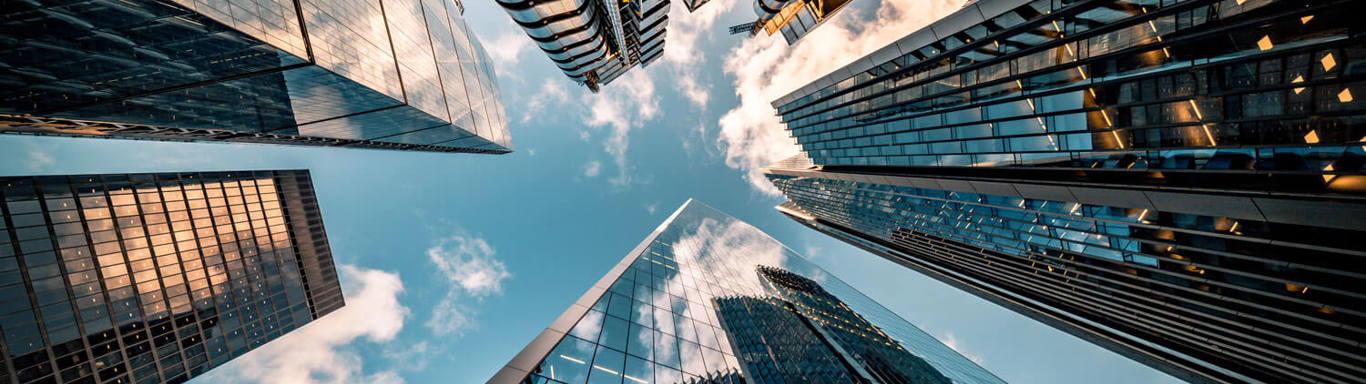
column 706, row 298
column 153, row 278
column 794, row 18
column 390, row 74
column 1178, row 181
column 595, row 41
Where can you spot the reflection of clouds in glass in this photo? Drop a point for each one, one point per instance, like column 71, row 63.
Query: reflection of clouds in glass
column 664, row 348
column 734, row 242
column 644, row 313
column 588, row 327
column 716, row 244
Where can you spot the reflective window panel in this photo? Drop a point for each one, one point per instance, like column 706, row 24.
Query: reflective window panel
column 707, row 298
column 353, row 73
column 1181, row 182
column 153, row 278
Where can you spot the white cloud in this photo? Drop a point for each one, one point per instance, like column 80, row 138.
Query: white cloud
column 952, row 342
column 323, row 351
column 686, row 28
column 813, row 252
column 766, row 68
column 626, row 104
column 681, row 51
column 552, row 92
column 414, row 357
column 592, row 169
column 697, row 94
column 39, row 158
column 507, row 49
column 468, row 265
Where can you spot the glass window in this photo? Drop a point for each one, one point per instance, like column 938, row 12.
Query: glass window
column 641, row 342
column 607, row 367
column 614, row 333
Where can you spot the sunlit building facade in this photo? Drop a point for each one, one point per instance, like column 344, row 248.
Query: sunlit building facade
column 595, row 41
column 391, row 74
column 706, row 298
column 794, row 18
column 1178, row 181
column 153, row 278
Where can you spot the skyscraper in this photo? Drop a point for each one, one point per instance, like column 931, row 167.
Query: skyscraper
column 390, row 74
column 1180, row 182
column 155, row 277
column 595, row 41
column 706, row 298
column 794, row 18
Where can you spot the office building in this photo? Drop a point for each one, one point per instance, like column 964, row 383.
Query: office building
column 1180, row 182
column 154, row 278
column 794, row 18
column 706, row 298
column 595, row 41
column 391, row 74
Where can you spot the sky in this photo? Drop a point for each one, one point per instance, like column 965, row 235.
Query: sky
column 451, row 263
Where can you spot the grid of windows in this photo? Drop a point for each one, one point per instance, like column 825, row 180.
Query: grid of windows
column 1262, row 294
column 154, row 277
column 1073, row 83
column 314, row 72
column 708, row 285
column 594, row 41
column 1178, row 181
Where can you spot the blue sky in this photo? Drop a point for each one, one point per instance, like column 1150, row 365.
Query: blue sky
column 452, row 263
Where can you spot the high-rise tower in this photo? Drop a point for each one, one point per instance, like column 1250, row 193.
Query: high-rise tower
column 707, row 298
column 595, row 41
column 383, row 74
column 1178, row 181
column 155, row 277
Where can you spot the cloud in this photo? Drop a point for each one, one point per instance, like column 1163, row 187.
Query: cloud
column 552, row 92
column 39, row 158
column 324, row 350
column 697, row 94
column 414, row 357
column 507, row 49
column 686, row 28
column 952, row 342
column 627, row 103
column 681, row 51
column 814, row 251
column 468, row 265
column 766, row 68
column 592, row 169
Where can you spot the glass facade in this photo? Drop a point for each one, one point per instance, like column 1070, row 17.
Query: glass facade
column 153, row 278
column 595, row 41
column 794, row 18
column 396, row 74
column 710, row 299
column 1178, row 181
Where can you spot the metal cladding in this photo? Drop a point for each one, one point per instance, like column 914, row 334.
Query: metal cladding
column 1182, row 182
column 594, row 41
column 390, row 74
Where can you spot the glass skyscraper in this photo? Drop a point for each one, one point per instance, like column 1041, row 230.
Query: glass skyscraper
column 154, row 278
column 1178, row 181
column 595, row 41
column 794, row 18
column 391, row 74
column 706, row 298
